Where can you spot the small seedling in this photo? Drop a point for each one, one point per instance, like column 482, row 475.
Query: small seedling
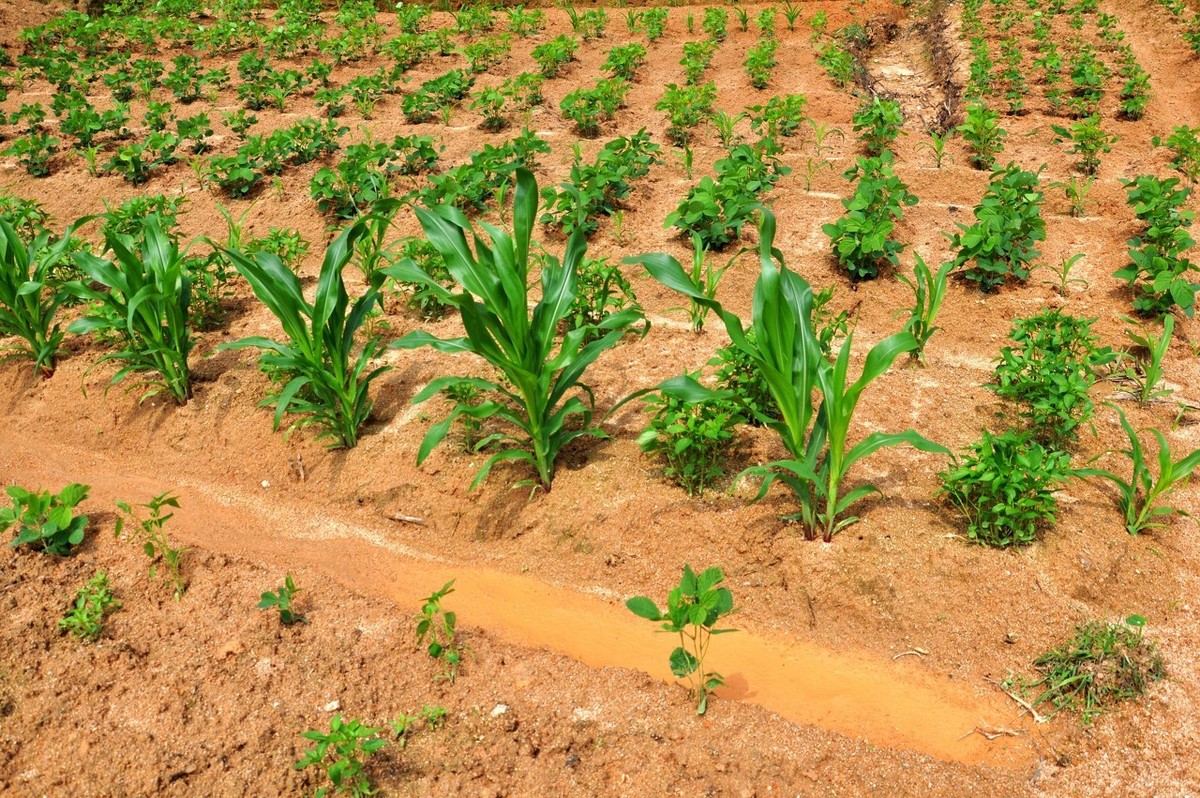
column 403, row 726
column 93, row 603
column 436, row 632
column 341, row 754
column 283, row 599
column 434, row 717
column 44, row 520
column 1146, row 373
column 693, row 610
column 1063, row 280
column 149, row 531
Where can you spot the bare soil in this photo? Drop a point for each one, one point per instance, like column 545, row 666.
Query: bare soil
column 208, row 696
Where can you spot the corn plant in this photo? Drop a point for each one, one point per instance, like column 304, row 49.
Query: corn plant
column 536, row 382
column 786, row 350
column 144, row 304
column 1147, row 373
column 694, row 609
column 937, row 145
column 30, row 297
column 1141, row 496
column 929, row 291
column 327, row 383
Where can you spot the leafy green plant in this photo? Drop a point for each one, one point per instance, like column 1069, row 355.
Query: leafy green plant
column 929, row 291
column 982, row 132
column 341, row 754
column 150, row 532
column 878, row 122
column 555, row 54
column 34, row 152
column 30, row 296
column 602, row 291
column 838, row 63
column 93, row 603
column 686, row 107
column 623, row 61
column 786, row 349
column 861, row 237
column 1146, row 373
column 1184, row 143
column 781, row 116
column 327, row 384
column 283, row 599
column 144, row 305
column 589, row 107
column 654, row 22
column 1050, row 373
column 524, row 23
column 716, row 23
column 1008, row 224
column 537, row 382
column 1087, row 141
column 760, row 62
column 697, row 56
column 1103, row 664
column 693, row 610
column 45, row 521
column 436, row 633
column 692, row 438
column 717, row 210
column 1158, row 268
column 1141, row 496
column 597, row 189
column 588, row 24
column 1004, row 486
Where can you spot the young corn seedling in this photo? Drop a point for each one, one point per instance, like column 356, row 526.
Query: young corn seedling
column 284, row 600
column 929, row 291
column 30, row 296
column 1076, row 190
column 1063, row 280
column 149, row 531
column 540, row 389
column 437, row 633
column 45, row 520
column 1141, row 496
column 937, row 145
column 327, row 381
column 786, row 349
column 145, row 301
column 693, row 610
column 1147, row 373
column 93, row 603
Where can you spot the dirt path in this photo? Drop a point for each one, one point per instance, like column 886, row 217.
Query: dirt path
column 852, row 693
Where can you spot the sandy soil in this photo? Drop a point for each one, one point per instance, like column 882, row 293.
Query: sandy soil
column 208, row 696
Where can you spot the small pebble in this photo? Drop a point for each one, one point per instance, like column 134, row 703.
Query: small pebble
column 333, row 706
